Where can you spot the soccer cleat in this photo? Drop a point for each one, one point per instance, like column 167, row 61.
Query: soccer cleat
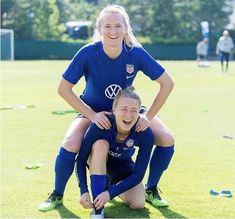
column 53, row 201
column 94, row 215
column 152, row 196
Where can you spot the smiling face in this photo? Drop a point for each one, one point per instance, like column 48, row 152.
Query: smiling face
column 112, row 29
column 126, row 113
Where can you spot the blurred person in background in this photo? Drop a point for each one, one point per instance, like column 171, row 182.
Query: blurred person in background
column 202, row 51
column 224, row 49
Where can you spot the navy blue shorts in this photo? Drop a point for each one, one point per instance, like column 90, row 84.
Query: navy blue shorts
column 118, row 169
column 224, row 56
column 201, row 57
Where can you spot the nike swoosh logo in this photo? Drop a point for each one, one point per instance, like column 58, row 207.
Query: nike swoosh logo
column 127, row 77
column 126, row 148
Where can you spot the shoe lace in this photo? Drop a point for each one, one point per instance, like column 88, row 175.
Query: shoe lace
column 95, row 212
column 52, row 197
column 155, row 192
column 92, row 212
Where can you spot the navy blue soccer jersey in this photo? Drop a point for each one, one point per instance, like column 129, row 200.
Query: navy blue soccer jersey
column 117, row 151
column 105, row 76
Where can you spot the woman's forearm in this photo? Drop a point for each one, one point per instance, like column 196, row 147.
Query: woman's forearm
column 166, row 86
column 66, row 92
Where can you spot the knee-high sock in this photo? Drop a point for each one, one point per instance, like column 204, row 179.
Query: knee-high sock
column 98, row 183
column 159, row 162
column 64, row 166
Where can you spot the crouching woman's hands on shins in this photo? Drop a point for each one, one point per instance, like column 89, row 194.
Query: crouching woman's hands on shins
column 85, row 200
column 101, row 200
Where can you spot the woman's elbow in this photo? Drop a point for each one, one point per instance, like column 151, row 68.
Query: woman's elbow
column 62, row 88
column 59, row 90
column 171, row 84
column 166, row 82
column 168, row 85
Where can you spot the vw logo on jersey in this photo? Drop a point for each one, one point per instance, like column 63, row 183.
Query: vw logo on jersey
column 130, row 68
column 112, row 90
column 130, row 143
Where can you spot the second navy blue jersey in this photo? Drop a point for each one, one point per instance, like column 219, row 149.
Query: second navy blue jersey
column 121, row 151
column 104, row 76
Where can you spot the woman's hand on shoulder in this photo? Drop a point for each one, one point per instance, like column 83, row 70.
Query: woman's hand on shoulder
column 85, row 201
column 101, row 120
column 142, row 124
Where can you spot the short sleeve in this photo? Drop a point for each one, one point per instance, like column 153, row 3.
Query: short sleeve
column 149, row 66
column 77, row 67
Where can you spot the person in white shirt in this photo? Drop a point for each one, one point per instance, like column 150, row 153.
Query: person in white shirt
column 202, row 50
column 224, row 48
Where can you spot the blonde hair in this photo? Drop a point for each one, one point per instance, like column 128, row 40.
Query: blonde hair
column 127, row 92
column 129, row 38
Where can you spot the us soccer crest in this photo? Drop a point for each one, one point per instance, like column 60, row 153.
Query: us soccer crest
column 130, row 68
column 130, row 143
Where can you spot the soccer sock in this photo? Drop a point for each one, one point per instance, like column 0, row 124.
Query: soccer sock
column 159, row 162
column 64, row 166
column 98, row 183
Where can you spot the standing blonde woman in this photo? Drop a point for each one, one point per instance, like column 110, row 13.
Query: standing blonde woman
column 109, row 64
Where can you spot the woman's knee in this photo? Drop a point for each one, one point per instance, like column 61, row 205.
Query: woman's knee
column 73, row 142
column 74, row 135
column 100, row 148
column 162, row 133
column 98, row 157
column 135, row 197
column 165, row 138
column 137, row 204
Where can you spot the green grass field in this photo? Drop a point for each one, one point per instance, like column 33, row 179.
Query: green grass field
column 199, row 112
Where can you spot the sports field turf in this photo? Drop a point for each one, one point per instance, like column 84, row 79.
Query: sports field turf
column 200, row 112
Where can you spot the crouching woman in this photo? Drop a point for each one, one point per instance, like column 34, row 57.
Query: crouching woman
column 111, row 154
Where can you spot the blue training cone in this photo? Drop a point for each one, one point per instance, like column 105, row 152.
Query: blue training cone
column 224, row 193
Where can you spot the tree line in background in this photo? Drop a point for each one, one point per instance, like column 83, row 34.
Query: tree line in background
column 153, row 21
